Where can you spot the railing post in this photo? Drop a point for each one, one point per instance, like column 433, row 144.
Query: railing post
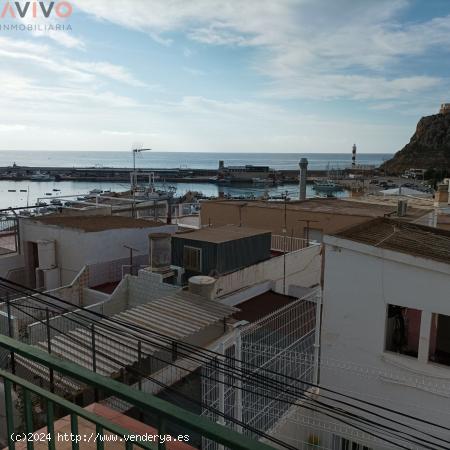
column 221, row 381
column 49, row 348
column 74, row 431
column 28, row 416
column 238, row 356
column 94, row 358
column 161, row 432
column 139, row 350
column 51, row 425
column 174, row 351
column 10, row 331
column 99, row 438
column 9, row 413
column 317, row 331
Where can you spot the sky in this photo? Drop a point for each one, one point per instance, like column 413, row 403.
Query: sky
column 224, row 75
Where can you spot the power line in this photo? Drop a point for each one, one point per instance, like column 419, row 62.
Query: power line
column 124, row 366
column 278, row 374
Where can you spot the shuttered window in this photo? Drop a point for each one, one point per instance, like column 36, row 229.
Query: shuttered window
column 192, row 258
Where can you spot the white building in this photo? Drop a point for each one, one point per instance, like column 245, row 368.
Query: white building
column 56, row 247
column 385, row 333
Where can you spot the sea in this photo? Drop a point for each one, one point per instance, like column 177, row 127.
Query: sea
column 27, row 193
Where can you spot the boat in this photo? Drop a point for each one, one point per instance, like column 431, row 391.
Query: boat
column 23, row 190
column 39, row 176
column 11, row 190
column 262, row 181
column 56, row 202
column 41, row 204
column 48, row 193
column 56, row 190
column 326, row 186
column 95, row 191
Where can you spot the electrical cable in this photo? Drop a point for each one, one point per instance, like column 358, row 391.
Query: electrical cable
column 279, row 374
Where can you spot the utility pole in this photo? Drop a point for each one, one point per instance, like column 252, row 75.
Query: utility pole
column 284, row 241
column 134, row 176
column 240, row 213
column 131, row 249
column 306, row 228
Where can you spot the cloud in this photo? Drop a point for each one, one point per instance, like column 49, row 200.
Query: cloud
column 318, row 49
column 79, row 71
column 107, row 70
column 193, row 71
column 355, row 87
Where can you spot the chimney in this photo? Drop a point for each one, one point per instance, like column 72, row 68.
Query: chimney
column 160, row 251
column 302, row 178
column 402, row 206
column 441, row 196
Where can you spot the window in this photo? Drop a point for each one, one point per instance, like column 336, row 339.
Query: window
column 403, row 330
column 340, row 443
column 440, row 339
column 192, row 258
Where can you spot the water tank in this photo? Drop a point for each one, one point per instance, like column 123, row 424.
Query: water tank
column 203, row 286
column 160, row 251
column 46, row 254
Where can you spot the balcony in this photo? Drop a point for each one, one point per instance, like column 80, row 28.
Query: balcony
column 35, row 400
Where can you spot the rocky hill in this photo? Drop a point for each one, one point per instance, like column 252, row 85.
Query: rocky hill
column 429, row 147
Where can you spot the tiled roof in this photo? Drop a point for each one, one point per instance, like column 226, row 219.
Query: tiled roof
column 416, row 240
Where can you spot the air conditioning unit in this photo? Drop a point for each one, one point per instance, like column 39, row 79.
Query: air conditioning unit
column 46, row 254
column 47, row 279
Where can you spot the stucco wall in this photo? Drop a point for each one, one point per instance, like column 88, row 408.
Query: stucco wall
column 225, row 213
column 75, row 248
column 302, row 269
column 360, row 281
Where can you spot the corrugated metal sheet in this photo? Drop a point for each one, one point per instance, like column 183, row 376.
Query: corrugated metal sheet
column 227, row 256
column 178, row 316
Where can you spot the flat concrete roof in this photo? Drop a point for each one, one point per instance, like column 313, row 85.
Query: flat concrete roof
column 218, row 235
column 262, row 305
column 328, row 206
column 95, row 223
column 403, row 237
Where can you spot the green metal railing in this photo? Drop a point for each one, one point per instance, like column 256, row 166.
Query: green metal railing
column 165, row 411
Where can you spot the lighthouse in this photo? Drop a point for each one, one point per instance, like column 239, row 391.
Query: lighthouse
column 354, row 156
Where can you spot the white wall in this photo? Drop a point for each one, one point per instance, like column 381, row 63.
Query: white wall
column 10, row 262
column 360, row 281
column 302, row 269
column 75, row 248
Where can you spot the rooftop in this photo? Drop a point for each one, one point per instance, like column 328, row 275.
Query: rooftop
column 177, row 314
column 95, row 223
column 262, row 305
column 413, row 239
column 329, row 206
column 218, row 235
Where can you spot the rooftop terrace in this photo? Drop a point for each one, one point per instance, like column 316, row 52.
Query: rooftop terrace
column 95, row 223
column 329, row 206
column 218, row 235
